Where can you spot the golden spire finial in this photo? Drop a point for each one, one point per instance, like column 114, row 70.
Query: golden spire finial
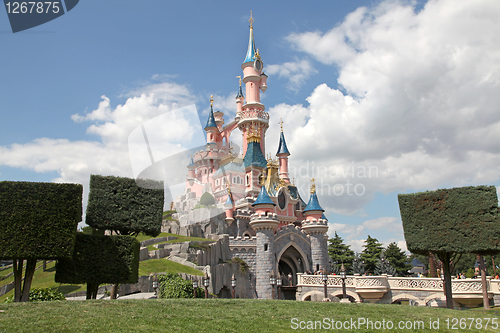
column 251, row 20
column 228, row 187
column 313, row 186
column 211, row 100
column 281, row 123
column 239, row 77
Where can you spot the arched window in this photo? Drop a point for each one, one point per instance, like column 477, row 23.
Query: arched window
column 247, row 179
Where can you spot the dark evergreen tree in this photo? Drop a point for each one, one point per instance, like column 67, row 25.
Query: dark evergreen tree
column 384, row 266
column 358, row 265
column 398, row 259
column 340, row 253
column 371, row 254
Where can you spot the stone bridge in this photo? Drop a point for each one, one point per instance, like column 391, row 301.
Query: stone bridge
column 467, row 293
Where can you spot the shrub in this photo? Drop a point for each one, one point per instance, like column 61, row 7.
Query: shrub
column 38, row 220
column 45, row 294
column 243, row 265
column 173, row 286
column 207, row 199
column 101, row 259
column 119, row 204
column 204, row 246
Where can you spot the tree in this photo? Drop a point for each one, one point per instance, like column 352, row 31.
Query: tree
column 384, row 266
column 450, row 222
column 371, row 253
column 397, row 259
column 358, row 265
column 340, row 252
column 125, row 207
column 37, row 221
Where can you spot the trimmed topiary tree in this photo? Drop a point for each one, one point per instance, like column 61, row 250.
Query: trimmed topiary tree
column 448, row 222
column 207, row 199
column 37, row 221
column 120, row 205
column 100, row 259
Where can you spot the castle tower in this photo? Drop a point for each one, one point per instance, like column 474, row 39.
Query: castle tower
column 253, row 111
column 316, row 227
column 211, row 127
column 229, row 206
column 282, row 155
column 264, row 222
column 254, row 162
column 191, row 171
column 240, row 99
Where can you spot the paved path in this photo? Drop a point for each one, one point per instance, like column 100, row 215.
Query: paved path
column 131, row 296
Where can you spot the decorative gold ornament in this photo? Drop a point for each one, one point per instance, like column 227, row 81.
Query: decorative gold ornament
column 313, row 186
column 211, row 100
column 251, row 20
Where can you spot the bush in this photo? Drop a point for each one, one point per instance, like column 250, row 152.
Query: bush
column 38, row 220
column 45, row 294
column 204, row 246
column 120, row 204
column 101, row 259
column 207, row 199
column 243, row 265
column 173, row 286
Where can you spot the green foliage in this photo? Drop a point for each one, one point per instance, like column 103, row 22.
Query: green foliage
column 340, row 253
column 358, row 265
column 398, row 260
column 243, row 265
column 371, row 254
column 173, row 286
column 38, row 220
column 204, row 246
column 207, row 199
column 45, row 294
column 384, row 266
column 470, row 273
column 87, row 230
column 458, row 220
column 120, row 204
column 101, row 259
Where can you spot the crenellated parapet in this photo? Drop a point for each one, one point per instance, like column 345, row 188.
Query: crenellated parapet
column 315, row 226
column 264, row 221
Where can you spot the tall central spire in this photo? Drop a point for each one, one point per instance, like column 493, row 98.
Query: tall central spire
column 251, row 43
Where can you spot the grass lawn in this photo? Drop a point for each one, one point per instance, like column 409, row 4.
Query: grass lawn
column 5, row 272
column 224, row 315
column 164, row 265
column 46, row 279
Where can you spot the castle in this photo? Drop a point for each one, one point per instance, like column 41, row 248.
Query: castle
column 270, row 227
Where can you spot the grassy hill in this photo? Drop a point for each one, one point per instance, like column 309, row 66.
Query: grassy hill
column 226, row 315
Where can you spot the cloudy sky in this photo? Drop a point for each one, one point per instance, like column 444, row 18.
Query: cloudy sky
column 377, row 97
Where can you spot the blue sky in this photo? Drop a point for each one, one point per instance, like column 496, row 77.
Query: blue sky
column 382, row 97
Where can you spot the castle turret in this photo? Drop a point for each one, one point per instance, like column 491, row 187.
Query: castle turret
column 240, row 99
column 211, row 127
column 316, row 227
column 283, row 154
column 264, row 222
column 229, row 206
column 253, row 112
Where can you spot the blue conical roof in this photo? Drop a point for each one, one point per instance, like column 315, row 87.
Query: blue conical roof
column 282, row 149
column 263, row 198
column 229, row 201
column 324, row 217
column 251, row 48
column 211, row 120
column 240, row 93
column 313, row 203
column 191, row 163
column 254, row 156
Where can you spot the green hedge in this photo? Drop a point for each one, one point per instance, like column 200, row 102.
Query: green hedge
column 38, row 220
column 464, row 219
column 171, row 285
column 117, row 203
column 101, row 259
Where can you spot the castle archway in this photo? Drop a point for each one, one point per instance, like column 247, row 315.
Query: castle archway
column 291, row 260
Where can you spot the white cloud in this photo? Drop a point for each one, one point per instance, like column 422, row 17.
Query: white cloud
column 296, row 72
column 420, row 102
column 74, row 161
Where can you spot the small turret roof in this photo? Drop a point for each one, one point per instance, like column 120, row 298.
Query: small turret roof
column 313, row 203
column 282, row 149
column 211, row 120
column 191, row 162
column 240, row 93
column 229, row 201
column 263, row 198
